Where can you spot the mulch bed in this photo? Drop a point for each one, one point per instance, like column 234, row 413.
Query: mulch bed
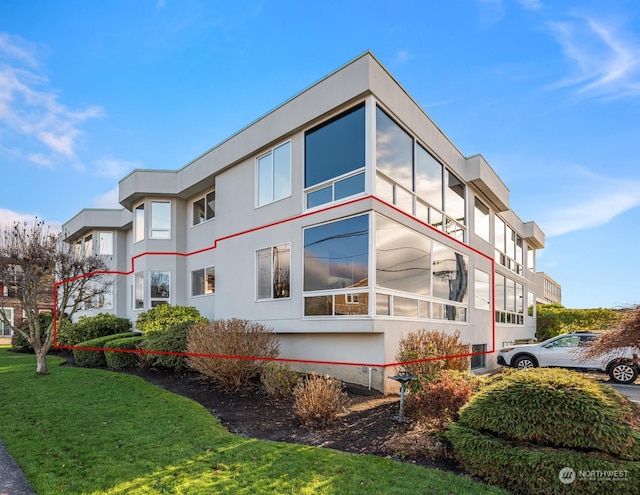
column 364, row 428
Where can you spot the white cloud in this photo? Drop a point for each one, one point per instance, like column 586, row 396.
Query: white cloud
column 402, row 56
column 9, row 217
column 30, row 107
column 598, row 201
column 114, row 168
column 605, row 60
column 108, row 199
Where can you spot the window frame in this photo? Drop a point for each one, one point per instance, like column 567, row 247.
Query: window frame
column 6, row 331
column 205, row 209
column 101, row 244
column 138, row 291
column 205, row 273
column 139, row 223
column 272, row 175
column 158, row 232
column 258, row 281
column 157, row 300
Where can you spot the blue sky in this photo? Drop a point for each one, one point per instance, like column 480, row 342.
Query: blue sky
column 547, row 91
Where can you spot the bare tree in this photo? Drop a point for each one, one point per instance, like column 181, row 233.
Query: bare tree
column 39, row 266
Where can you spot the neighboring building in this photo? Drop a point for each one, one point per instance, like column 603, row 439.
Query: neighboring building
column 548, row 291
column 11, row 306
column 344, row 219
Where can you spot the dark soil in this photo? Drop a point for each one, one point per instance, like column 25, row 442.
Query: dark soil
column 364, row 428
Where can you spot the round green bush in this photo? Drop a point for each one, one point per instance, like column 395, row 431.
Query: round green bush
column 165, row 316
column 171, row 341
column 122, row 360
column 94, row 358
column 558, row 408
column 527, row 469
column 91, row 327
column 523, row 427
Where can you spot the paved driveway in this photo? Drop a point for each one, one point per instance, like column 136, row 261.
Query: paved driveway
column 631, row 391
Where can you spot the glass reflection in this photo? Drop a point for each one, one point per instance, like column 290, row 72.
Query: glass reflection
column 394, row 150
column 336, row 254
column 403, row 258
column 428, row 178
column 449, row 274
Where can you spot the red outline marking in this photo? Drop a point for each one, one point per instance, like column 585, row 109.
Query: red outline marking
column 283, row 360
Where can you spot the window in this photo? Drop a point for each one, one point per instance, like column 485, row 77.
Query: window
column 428, row 178
column 88, row 245
column 105, row 243
column 509, row 247
column 335, row 157
column 138, row 301
column 403, row 258
column 481, row 221
column 204, row 208
column 531, row 259
column 454, row 204
column 5, row 330
column 449, row 274
column 479, row 360
column 273, row 272
column 336, row 255
column 509, row 303
column 102, row 296
column 274, row 174
column 138, row 223
column 160, row 220
column 482, row 290
column 394, row 150
column 203, row 281
column 160, row 290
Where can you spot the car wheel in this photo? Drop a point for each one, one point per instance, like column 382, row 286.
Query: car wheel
column 623, row 373
column 525, row 362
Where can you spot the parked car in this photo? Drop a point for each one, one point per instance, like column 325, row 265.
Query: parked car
column 565, row 351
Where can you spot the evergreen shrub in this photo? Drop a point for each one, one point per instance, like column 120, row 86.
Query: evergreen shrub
column 123, row 360
column 91, row 327
column 95, row 359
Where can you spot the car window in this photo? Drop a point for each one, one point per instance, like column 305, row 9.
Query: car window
column 586, row 340
column 571, row 341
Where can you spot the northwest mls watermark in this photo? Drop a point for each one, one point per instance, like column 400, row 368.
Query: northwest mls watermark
column 568, row 475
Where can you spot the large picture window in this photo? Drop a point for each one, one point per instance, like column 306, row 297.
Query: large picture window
column 482, row 290
column 336, row 255
column 449, row 274
column 273, row 272
column 274, row 174
column 335, row 158
column 403, row 258
column 105, row 243
column 394, row 150
column 481, row 220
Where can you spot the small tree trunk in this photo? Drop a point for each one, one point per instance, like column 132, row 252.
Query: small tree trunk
column 41, row 356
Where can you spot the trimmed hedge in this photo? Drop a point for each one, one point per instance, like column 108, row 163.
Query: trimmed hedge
column 172, row 340
column 530, row 469
column 91, row 327
column 524, row 427
column 558, row 408
column 122, row 360
column 165, row 316
column 95, row 359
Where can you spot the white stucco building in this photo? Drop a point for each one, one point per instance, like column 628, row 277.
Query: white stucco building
column 344, row 219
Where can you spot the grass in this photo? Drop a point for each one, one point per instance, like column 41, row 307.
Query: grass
column 85, row 431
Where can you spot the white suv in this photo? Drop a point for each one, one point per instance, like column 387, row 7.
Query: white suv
column 565, row 351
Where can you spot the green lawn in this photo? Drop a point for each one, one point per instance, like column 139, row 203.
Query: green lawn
column 92, row 431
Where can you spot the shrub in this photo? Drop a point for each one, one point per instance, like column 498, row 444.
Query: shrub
column 122, row 360
column 172, row 340
column 165, row 316
column 91, row 327
column 20, row 344
column 437, row 403
column 521, row 428
column 528, row 469
column 278, row 380
column 94, row 359
column 556, row 407
column 416, row 444
column 224, row 338
column 431, row 346
column 318, row 400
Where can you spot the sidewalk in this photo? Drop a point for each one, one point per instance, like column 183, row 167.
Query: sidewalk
column 12, row 479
